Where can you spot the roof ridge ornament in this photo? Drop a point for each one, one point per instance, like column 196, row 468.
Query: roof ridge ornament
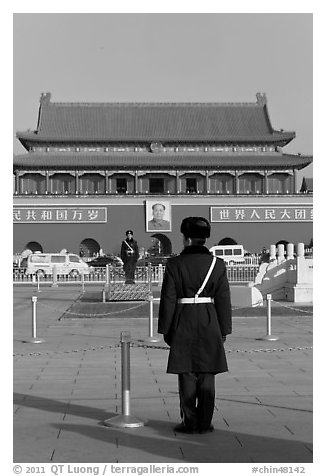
column 45, row 98
column 261, row 99
column 156, row 147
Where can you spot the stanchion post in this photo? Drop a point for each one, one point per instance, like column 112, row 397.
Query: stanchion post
column 149, row 268
column 160, row 274
column 55, row 277
column 269, row 314
column 34, row 339
column 151, row 337
column 126, row 420
column 269, row 335
column 106, row 289
column 83, row 281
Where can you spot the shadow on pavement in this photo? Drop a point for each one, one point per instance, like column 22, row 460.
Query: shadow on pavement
column 158, row 439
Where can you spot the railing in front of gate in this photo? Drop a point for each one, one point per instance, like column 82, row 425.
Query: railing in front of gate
column 239, row 273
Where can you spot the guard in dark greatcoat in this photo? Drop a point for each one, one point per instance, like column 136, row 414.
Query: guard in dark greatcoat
column 129, row 255
column 195, row 317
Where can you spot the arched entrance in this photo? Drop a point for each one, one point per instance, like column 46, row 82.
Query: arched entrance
column 282, row 242
column 227, row 241
column 88, row 248
column 33, row 246
column 161, row 245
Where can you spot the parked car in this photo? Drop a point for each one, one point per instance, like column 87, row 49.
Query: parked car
column 44, row 263
column 153, row 260
column 102, row 261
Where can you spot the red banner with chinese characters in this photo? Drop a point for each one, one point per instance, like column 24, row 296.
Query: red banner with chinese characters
column 249, row 213
column 60, row 215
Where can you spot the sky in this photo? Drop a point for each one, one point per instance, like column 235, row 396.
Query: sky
column 167, row 57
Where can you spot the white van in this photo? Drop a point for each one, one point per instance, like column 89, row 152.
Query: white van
column 231, row 254
column 43, row 263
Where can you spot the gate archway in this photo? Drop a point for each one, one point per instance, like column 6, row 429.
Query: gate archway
column 161, row 245
column 33, row 246
column 282, row 242
column 88, row 248
column 227, row 241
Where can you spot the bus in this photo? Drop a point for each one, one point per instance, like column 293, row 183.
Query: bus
column 231, row 254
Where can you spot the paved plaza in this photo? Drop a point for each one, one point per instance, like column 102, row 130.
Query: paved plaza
column 67, row 386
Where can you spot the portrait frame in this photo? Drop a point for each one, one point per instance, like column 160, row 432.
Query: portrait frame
column 152, row 225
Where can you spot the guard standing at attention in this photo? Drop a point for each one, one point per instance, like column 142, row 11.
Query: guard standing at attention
column 129, row 256
column 195, row 317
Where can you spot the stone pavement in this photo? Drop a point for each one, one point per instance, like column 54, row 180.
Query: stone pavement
column 65, row 387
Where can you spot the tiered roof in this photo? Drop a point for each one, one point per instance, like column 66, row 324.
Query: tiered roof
column 154, row 122
column 151, row 161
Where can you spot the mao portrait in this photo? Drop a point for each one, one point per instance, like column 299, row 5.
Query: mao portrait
column 158, row 216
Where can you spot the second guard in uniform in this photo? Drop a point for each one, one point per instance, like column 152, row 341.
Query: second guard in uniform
column 195, row 317
column 129, row 256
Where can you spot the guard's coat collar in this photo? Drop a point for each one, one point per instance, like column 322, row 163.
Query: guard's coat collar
column 195, row 249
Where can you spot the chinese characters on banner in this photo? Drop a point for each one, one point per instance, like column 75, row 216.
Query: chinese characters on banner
column 290, row 213
column 60, row 215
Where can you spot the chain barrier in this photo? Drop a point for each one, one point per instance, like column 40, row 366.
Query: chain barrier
column 146, row 346
column 97, row 314
column 231, row 351
column 258, row 303
column 71, row 351
column 157, row 347
column 155, row 299
column 292, row 308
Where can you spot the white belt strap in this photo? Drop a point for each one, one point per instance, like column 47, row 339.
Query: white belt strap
column 195, row 300
column 198, row 299
column 130, row 248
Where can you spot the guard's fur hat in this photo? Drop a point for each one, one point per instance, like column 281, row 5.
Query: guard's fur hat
column 195, row 227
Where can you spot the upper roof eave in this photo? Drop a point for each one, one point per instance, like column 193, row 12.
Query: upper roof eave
column 33, row 137
column 140, row 160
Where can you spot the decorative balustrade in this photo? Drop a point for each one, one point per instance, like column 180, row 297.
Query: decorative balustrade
column 143, row 274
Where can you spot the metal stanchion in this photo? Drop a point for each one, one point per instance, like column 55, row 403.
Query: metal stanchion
column 34, row 339
column 149, row 270
column 151, row 337
column 269, row 335
column 126, row 420
column 160, row 274
column 106, row 289
column 54, row 277
column 83, row 282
